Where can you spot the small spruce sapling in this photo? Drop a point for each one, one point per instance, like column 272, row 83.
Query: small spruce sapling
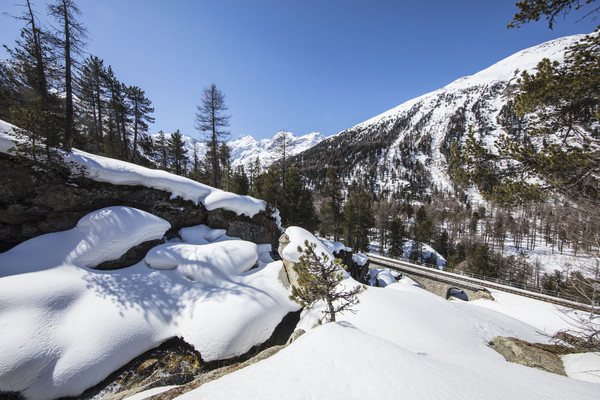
column 318, row 279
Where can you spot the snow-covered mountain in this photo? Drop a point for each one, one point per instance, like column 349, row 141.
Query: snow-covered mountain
column 245, row 149
column 407, row 147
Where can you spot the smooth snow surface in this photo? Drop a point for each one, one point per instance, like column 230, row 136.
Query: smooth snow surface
column 66, row 327
column 117, row 172
column 402, row 342
column 585, row 366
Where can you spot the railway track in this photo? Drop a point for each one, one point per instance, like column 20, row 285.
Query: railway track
column 469, row 282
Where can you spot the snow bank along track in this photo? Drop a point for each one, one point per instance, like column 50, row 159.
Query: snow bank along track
column 468, row 282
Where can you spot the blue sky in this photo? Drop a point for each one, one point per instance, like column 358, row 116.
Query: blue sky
column 297, row 65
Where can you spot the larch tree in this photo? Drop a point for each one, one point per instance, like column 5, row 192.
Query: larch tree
column 211, row 119
column 72, row 36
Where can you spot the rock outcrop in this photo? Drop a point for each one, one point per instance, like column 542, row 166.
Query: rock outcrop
column 528, row 354
column 35, row 201
column 177, row 363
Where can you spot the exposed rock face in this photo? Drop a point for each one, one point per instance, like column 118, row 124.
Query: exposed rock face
column 482, row 294
column 528, row 354
column 287, row 275
column 35, row 201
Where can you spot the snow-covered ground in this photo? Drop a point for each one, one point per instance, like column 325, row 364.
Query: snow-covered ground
column 404, row 342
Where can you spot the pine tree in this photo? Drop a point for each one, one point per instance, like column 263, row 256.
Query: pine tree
column 160, row 146
column 396, row 238
column 73, row 36
column 358, row 219
column 319, row 279
column 140, row 110
column 37, row 111
column 210, row 119
column 331, row 208
column 92, row 91
column 177, row 152
column 239, row 181
column 270, row 189
column 533, row 10
column 297, row 207
column 119, row 113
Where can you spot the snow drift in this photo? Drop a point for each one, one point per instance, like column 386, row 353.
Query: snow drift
column 67, row 326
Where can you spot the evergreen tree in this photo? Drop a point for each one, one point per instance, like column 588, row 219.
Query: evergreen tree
column 358, row 219
column 92, row 91
column 37, row 110
column 319, row 279
column 210, row 119
column 239, row 181
column 72, row 38
column 442, row 245
column 560, row 102
column 140, row 110
column 270, row 190
column 331, row 208
column 396, row 238
column 297, row 208
column 533, row 10
column 119, row 113
column 254, row 178
column 177, row 152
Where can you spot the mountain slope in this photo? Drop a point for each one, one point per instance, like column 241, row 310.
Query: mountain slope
column 407, row 147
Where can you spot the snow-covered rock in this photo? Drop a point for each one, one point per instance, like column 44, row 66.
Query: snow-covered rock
column 117, row 172
column 66, row 327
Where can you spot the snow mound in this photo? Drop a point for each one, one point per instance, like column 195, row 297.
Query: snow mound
column 67, row 327
column 298, row 236
column 100, row 236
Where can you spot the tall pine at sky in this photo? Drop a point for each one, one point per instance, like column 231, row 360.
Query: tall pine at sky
column 211, row 119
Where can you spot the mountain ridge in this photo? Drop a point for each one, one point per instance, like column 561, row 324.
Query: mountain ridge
column 406, row 148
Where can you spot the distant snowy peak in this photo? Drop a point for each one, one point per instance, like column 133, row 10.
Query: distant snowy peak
column 246, row 149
